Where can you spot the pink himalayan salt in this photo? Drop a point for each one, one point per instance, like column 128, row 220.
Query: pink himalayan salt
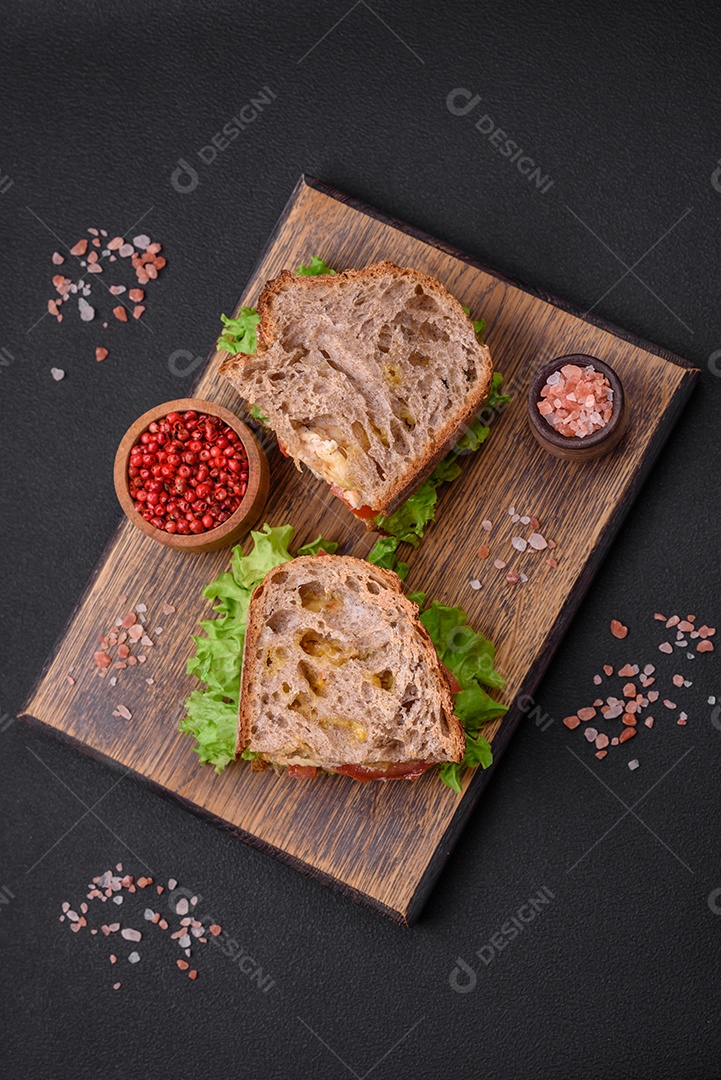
column 576, row 401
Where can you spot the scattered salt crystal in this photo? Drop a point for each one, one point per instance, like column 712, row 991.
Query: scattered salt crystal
column 591, row 734
column 475, row 583
column 524, row 577
column 57, row 373
column 525, row 520
column 184, row 941
column 486, row 524
column 125, row 712
column 117, row 899
column 519, row 543
column 499, row 564
column 712, row 700
column 133, row 958
column 597, row 680
column 126, row 250
column 633, row 765
column 141, row 242
column 537, row 542
column 181, row 907
column 130, row 935
column 148, row 915
column 172, row 884
column 158, row 630
column 140, row 608
column 511, row 510
column 168, row 609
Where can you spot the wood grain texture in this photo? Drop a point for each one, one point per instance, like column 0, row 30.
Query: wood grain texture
column 381, row 844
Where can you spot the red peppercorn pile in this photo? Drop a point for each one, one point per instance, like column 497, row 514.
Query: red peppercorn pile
column 188, row 473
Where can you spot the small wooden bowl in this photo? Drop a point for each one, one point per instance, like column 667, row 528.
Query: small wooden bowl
column 252, row 504
column 570, row 447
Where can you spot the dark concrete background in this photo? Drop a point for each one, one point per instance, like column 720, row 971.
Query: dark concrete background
column 618, row 976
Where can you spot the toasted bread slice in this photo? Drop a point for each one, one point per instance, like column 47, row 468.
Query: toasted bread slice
column 368, row 377
column 338, row 671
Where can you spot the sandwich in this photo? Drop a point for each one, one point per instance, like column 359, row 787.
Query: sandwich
column 317, row 661
column 339, row 674
column 367, row 377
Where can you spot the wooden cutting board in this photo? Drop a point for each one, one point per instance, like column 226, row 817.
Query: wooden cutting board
column 381, row 844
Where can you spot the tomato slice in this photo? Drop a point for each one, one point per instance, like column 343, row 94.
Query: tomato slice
column 403, row 770
column 303, row 772
column 362, row 512
column 453, row 681
column 365, row 513
column 282, row 447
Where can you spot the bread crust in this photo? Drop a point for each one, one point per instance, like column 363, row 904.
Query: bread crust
column 343, row 563
column 448, row 435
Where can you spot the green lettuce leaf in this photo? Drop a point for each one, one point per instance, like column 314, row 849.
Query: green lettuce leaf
column 450, row 774
column 315, row 266
column 213, row 722
column 417, row 598
column 463, row 650
column 408, row 522
column 258, row 414
column 470, row 657
column 495, row 398
column 239, row 334
column 479, row 325
column 270, row 549
column 478, row 752
column 471, row 438
column 383, row 552
column 319, row 544
column 217, row 657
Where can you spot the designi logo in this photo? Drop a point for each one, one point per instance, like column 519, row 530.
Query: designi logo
column 461, row 102
column 184, row 177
